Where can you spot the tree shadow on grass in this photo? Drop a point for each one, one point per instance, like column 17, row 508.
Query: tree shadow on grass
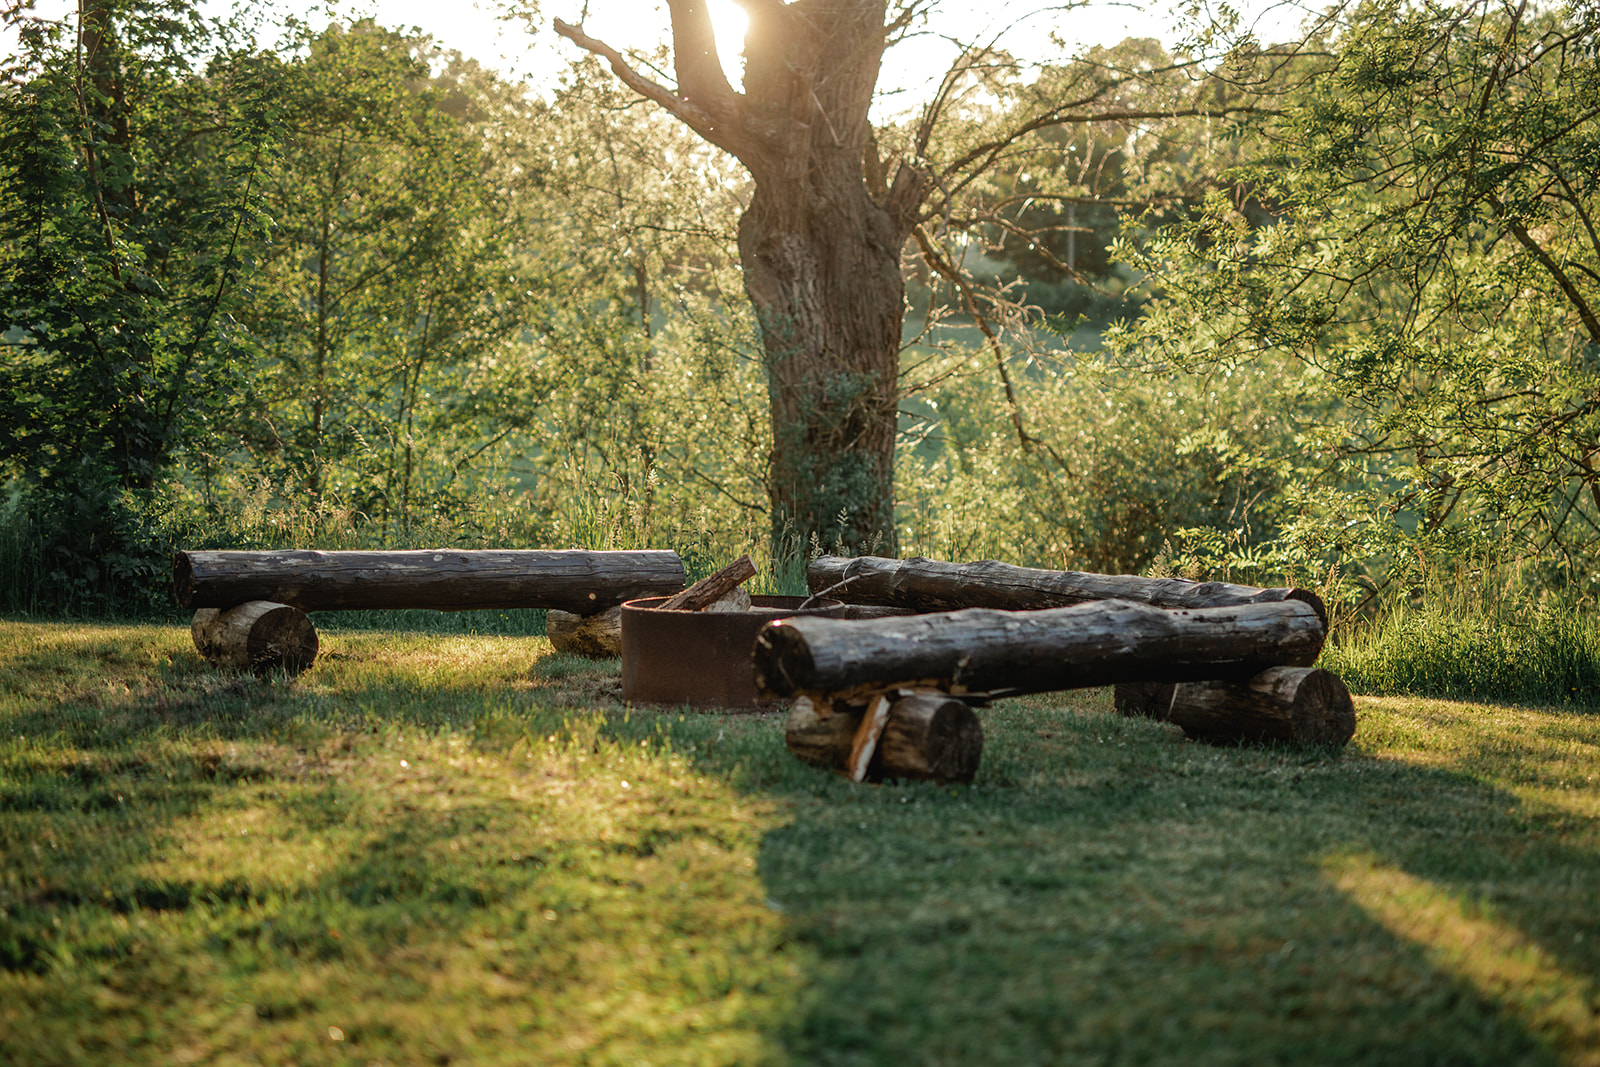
column 1105, row 893
column 433, row 861
column 1110, row 893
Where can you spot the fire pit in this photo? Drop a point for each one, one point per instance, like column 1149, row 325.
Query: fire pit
column 700, row 658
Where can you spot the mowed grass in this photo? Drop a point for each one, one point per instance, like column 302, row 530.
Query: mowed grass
column 445, row 848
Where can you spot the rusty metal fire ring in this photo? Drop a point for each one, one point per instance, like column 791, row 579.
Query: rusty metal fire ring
column 699, row 658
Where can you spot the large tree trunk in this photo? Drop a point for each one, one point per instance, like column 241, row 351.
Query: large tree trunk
column 1003, row 653
column 821, row 269
column 919, row 584
column 819, row 246
column 444, row 579
column 821, row 261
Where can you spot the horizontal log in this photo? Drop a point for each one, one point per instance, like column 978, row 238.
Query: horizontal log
column 928, row 737
column 1013, row 652
column 1306, row 707
column 868, row 611
column 573, row 580
column 255, row 636
column 929, row 585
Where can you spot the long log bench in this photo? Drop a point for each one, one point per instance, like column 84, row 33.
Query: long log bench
column 250, row 607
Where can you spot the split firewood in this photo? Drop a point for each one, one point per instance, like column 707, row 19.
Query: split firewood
column 735, row 602
column 1301, row 706
column 712, row 588
column 256, row 636
column 925, row 737
column 865, row 742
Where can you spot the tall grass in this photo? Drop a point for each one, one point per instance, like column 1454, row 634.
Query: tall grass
column 35, row 582
column 1482, row 634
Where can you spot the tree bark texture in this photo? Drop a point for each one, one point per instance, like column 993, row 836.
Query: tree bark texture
column 1003, row 653
column 255, row 636
column 821, row 263
column 597, row 636
column 928, row 737
column 1307, row 707
column 930, row 585
column 443, row 579
column 819, row 244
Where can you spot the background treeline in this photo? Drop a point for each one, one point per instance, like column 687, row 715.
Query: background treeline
column 348, row 289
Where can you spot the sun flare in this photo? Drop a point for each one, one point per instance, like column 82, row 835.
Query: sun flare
column 729, row 21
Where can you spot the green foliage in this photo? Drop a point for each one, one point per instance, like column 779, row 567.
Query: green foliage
column 1111, row 465
column 118, row 257
column 389, row 296
column 1481, row 633
column 127, row 199
column 1432, row 265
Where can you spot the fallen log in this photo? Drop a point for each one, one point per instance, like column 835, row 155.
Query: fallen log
column 257, row 636
column 928, row 585
column 574, row 580
column 1307, row 707
column 712, row 588
column 926, row 737
column 1012, row 652
column 597, row 636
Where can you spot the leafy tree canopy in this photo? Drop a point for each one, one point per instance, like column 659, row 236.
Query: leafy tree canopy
column 1433, row 263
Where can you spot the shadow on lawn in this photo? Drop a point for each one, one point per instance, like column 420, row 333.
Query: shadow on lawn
column 1109, row 893
column 1105, row 893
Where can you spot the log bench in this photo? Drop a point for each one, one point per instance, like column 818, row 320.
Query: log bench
column 1227, row 663
column 250, row 607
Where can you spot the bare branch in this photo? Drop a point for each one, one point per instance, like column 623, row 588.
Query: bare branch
column 687, row 111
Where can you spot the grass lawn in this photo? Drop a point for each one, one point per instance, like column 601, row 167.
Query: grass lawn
column 450, row 849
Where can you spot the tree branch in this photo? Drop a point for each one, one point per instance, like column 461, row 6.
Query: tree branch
column 690, row 113
column 1591, row 321
column 701, row 79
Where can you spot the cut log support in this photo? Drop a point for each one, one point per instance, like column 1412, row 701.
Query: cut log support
column 597, row 636
column 1004, row 653
column 577, row 581
column 929, row 585
column 256, row 636
column 1307, row 707
column 712, row 588
column 926, row 737
column 1145, row 700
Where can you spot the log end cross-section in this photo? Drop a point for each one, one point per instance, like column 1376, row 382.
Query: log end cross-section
column 1301, row 706
column 926, row 737
column 256, row 636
